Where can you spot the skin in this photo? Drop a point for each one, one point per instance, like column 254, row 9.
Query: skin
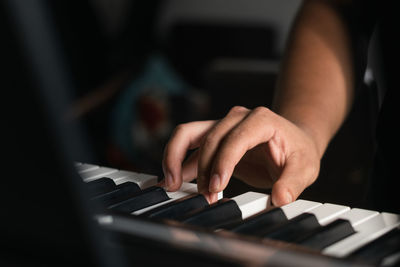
column 280, row 148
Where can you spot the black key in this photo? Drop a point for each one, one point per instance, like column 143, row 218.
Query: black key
column 223, row 212
column 258, row 223
column 177, row 208
column 121, row 192
column 327, row 235
column 293, row 229
column 377, row 250
column 101, row 186
column 150, row 196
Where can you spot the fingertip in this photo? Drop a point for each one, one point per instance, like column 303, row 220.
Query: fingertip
column 171, row 183
column 215, row 183
column 211, row 197
column 281, row 196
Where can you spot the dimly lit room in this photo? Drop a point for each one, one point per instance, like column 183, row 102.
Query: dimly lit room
column 145, row 121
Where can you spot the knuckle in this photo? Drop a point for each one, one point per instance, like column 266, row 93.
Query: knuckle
column 263, row 111
column 180, row 128
column 238, row 109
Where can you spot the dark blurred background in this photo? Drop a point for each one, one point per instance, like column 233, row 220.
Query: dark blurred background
column 142, row 67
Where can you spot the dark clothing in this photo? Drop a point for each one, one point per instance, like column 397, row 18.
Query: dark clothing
column 365, row 18
column 383, row 186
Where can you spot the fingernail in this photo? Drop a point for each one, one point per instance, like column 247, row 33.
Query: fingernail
column 214, row 198
column 214, row 183
column 211, row 197
column 288, row 198
column 168, row 181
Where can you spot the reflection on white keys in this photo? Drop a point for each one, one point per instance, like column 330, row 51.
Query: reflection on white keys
column 298, row 207
column 358, row 216
column 90, row 173
column 97, row 173
column 119, row 177
column 327, row 213
column 81, row 168
column 251, row 203
column 367, row 231
column 369, row 225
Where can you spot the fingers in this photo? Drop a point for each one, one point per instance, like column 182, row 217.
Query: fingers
column 279, row 149
column 210, row 145
column 255, row 129
column 189, row 172
column 185, row 137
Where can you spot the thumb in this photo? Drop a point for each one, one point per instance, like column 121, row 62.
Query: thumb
column 292, row 182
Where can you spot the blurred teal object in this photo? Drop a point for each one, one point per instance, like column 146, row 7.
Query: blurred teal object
column 134, row 133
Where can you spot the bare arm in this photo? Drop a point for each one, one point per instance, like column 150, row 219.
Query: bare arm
column 280, row 149
column 316, row 85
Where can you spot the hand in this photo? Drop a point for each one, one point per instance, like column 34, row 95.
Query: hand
column 257, row 146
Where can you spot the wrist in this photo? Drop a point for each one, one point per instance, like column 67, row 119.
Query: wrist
column 315, row 136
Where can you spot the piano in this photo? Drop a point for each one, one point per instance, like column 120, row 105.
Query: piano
column 244, row 230
column 125, row 218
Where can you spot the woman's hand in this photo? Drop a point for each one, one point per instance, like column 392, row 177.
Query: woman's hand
column 257, row 146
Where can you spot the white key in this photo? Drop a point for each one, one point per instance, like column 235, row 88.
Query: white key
column 119, row 177
column 85, row 168
column 138, row 212
column 142, row 180
column 366, row 232
column 96, row 173
column 251, row 203
column 146, row 180
column 391, row 260
column 297, row 207
column 327, row 213
column 185, row 190
column 121, row 174
column 189, row 188
column 358, row 216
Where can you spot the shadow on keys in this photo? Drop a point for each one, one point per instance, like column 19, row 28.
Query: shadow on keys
column 65, row 213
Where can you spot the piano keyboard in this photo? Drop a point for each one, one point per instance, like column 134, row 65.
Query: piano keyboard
column 134, row 204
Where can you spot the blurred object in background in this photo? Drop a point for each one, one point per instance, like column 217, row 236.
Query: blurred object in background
column 175, row 46
column 142, row 67
column 194, row 46
column 147, row 111
column 222, row 57
column 107, row 44
column 271, row 14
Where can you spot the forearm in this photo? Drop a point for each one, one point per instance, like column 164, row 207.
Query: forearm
column 315, row 87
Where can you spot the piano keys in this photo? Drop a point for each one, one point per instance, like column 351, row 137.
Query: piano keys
column 330, row 230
